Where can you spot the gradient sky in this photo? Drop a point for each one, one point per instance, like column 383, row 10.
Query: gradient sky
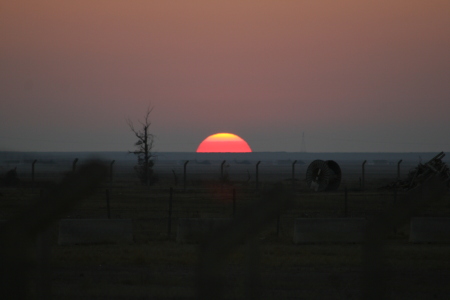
column 352, row 75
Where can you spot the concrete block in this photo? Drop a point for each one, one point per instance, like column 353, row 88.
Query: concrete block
column 329, row 230
column 95, row 231
column 195, row 230
column 430, row 230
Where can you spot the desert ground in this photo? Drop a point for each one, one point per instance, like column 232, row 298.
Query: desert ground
column 267, row 265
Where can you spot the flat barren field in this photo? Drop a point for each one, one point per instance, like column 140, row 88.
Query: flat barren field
column 265, row 264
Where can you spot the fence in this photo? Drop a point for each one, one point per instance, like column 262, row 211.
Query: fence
column 177, row 172
column 270, row 211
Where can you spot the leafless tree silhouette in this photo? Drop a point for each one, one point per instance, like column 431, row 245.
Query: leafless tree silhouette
column 144, row 145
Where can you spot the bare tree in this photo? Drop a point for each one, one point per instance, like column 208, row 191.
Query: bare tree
column 144, row 145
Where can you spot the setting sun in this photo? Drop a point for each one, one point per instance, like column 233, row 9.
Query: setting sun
column 224, row 142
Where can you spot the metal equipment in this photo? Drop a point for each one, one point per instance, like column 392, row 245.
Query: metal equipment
column 422, row 173
column 323, row 175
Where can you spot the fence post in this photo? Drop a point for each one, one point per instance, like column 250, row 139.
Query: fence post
column 293, row 174
column 363, row 176
column 44, row 282
column 74, row 164
column 395, row 198
column 234, row 202
column 32, row 170
column 107, row 204
column 175, row 177
column 278, row 225
column 345, row 202
column 257, row 174
column 221, row 169
column 395, row 207
column 169, row 225
column 398, row 168
column 111, row 171
column 184, row 174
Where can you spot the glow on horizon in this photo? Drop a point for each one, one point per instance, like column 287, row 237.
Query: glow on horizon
column 355, row 76
column 223, row 142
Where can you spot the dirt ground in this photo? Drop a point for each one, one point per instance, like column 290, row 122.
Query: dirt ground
column 155, row 266
column 167, row 270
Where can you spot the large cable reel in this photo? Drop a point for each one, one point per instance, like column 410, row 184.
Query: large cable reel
column 323, row 175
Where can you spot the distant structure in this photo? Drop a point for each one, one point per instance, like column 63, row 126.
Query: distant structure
column 303, row 148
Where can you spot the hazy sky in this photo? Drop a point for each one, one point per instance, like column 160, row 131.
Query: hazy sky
column 352, row 75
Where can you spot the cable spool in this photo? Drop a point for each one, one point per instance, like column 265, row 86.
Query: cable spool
column 323, row 175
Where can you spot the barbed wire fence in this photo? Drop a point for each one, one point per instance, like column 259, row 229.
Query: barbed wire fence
column 267, row 205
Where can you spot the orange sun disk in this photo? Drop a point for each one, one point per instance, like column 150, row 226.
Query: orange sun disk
column 224, row 142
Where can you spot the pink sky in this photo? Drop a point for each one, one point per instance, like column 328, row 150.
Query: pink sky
column 352, row 75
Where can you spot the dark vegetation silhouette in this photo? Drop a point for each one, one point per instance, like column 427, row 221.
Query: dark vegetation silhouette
column 143, row 151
